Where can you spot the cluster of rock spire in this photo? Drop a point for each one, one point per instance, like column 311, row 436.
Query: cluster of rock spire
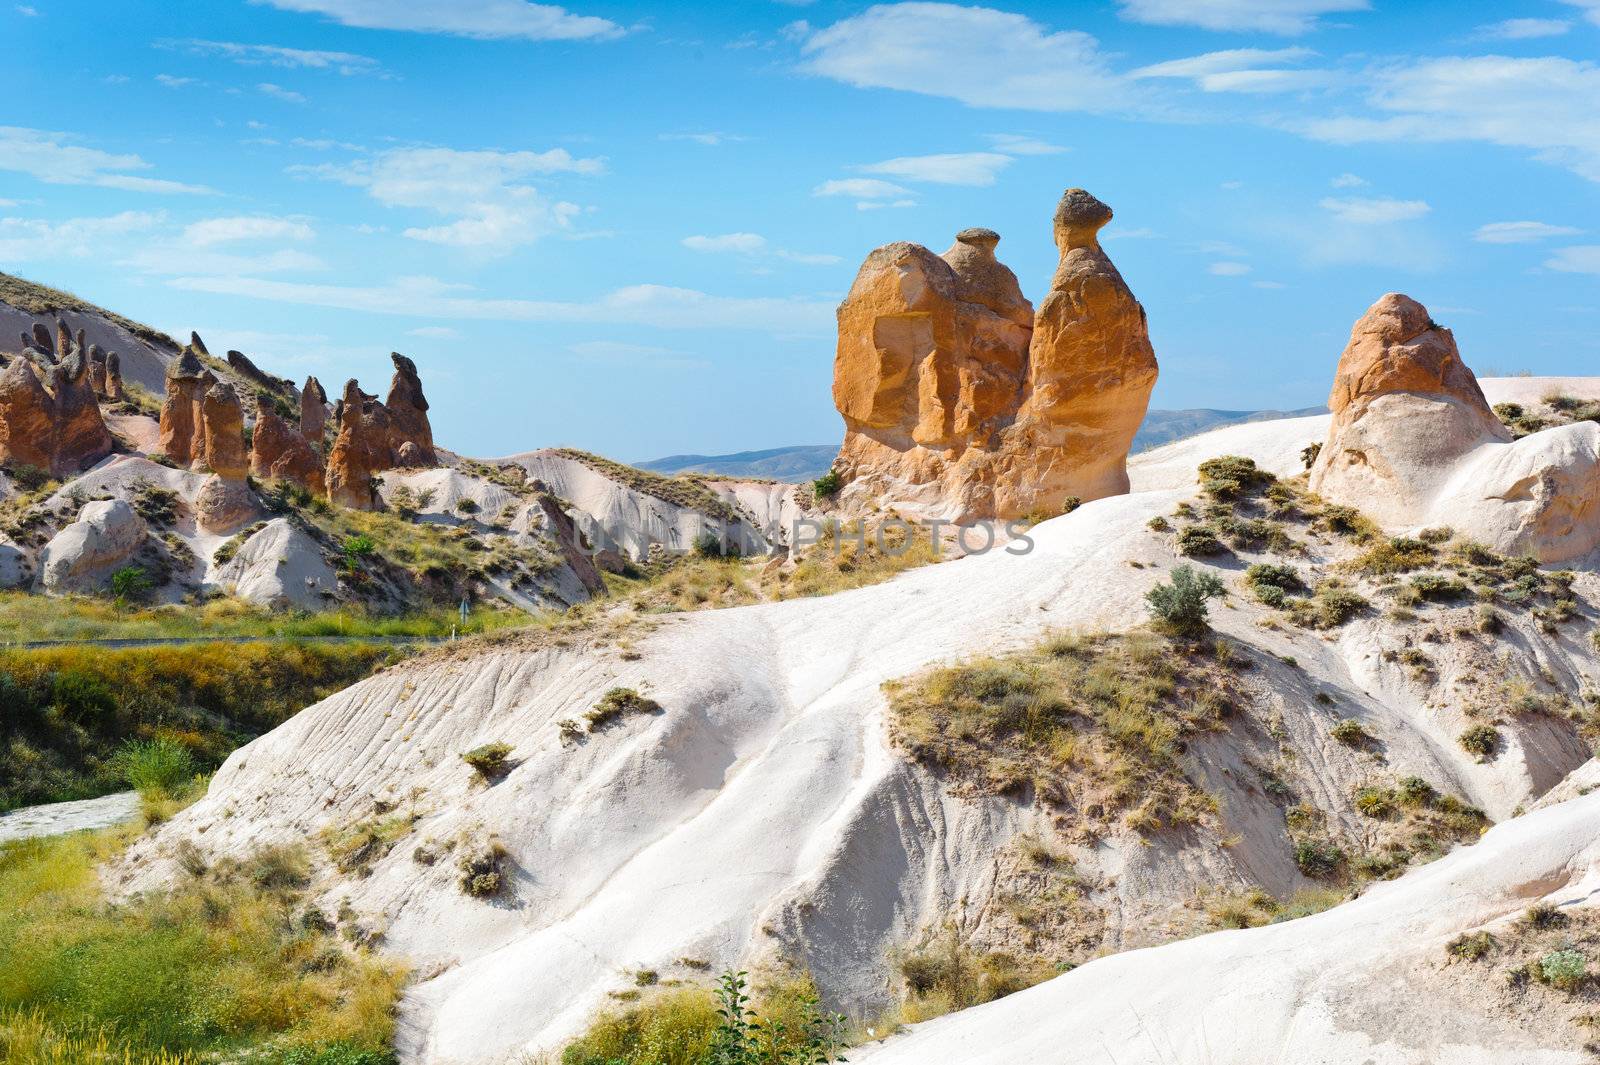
column 202, row 427
column 50, row 401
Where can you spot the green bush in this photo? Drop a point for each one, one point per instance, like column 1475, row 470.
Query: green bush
column 1564, row 969
column 1349, row 732
column 1375, row 802
column 1318, row 858
column 1437, row 587
column 489, row 760
column 1199, row 541
column 155, row 768
column 480, row 871
column 1470, row 947
column 827, row 486
column 1181, row 605
column 1231, row 476
column 1480, row 740
column 616, row 703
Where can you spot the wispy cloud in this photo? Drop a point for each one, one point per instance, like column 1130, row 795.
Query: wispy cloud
column 660, row 306
column 172, row 81
column 483, row 19
column 707, row 138
column 347, row 63
column 1374, row 211
column 1521, row 232
column 54, row 159
column 1349, row 181
column 250, row 227
column 980, row 56
column 1578, row 259
column 753, row 245
column 1522, row 29
column 278, row 92
column 1228, row 269
column 1019, row 144
column 26, row 240
column 485, row 193
column 1287, row 17
column 951, row 168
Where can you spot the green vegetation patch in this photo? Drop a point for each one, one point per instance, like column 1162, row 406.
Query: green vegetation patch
column 68, row 715
column 229, row 964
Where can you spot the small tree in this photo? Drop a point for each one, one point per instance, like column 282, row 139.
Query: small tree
column 131, row 584
column 828, row 485
column 1181, row 605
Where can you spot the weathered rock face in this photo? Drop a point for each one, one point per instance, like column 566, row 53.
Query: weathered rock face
column 224, row 505
column 279, row 453
column 280, row 567
column 114, row 387
column 57, row 429
column 222, row 429
column 960, row 403
column 408, row 415
column 82, row 556
column 360, row 450
column 27, row 417
column 180, row 411
column 81, row 436
column 313, row 412
column 1090, row 373
column 1406, row 409
column 375, row 436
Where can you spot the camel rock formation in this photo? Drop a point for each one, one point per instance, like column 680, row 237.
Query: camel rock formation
column 279, row 453
column 960, row 403
column 408, row 415
column 1090, row 373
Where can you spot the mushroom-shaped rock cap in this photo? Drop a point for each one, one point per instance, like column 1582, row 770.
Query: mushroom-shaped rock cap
column 979, row 237
column 1079, row 216
column 186, row 365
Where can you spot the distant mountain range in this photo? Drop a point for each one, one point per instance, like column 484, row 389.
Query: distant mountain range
column 807, row 462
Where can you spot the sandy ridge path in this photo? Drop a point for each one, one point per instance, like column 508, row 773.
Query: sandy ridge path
column 59, row 818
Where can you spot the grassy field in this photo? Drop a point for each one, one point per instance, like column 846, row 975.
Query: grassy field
column 27, row 618
column 70, row 712
column 229, row 964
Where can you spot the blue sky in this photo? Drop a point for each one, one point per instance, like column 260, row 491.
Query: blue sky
column 625, row 226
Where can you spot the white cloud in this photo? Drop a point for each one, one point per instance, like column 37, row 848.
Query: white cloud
column 1288, row 17
column 1222, row 62
column 485, row 192
column 1578, row 259
column 708, row 138
column 754, row 244
column 54, row 160
column 225, row 230
column 1522, row 29
column 1545, row 104
column 861, row 189
column 172, row 257
column 1520, row 232
column 1373, row 211
column 980, row 56
column 1590, row 9
column 27, row 12
column 172, row 82
column 1270, row 285
column 1018, row 144
column 434, row 332
column 1247, row 70
column 325, row 144
column 737, row 242
column 34, row 240
column 956, row 168
column 275, row 56
column 651, row 305
column 1349, row 181
column 1228, row 269
column 278, row 92
column 483, row 19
